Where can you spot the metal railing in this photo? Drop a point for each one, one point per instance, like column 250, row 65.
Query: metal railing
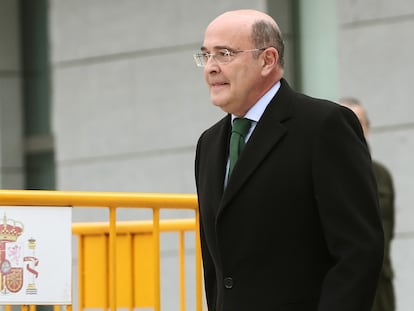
column 112, row 201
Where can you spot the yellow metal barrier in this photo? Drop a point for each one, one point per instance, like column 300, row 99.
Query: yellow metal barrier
column 113, row 235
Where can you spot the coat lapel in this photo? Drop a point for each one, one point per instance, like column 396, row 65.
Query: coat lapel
column 268, row 132
column 221, row 153
column 216, row 162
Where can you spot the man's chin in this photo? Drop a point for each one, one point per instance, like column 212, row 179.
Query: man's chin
column 218, row 103
column 218, row 100
column 223, row 106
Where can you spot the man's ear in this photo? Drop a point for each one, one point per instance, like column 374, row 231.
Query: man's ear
column 270, row 58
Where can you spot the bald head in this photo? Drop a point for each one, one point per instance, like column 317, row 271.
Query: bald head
column 244, row 16
column 356, row 106
column 260, row 28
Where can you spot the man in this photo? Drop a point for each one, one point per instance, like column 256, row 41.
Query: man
column 295, row 226
column 384, row 298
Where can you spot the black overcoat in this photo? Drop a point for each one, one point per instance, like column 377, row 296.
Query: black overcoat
column 297, row 228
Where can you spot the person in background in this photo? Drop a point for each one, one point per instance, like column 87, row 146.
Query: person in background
column 385, row 297
column 289, row 216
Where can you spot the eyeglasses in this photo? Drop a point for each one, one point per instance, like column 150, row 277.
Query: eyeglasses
column 223, row 56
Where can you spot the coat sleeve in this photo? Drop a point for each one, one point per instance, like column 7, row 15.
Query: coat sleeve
column 347, row 201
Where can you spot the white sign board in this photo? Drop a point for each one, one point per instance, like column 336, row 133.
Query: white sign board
column 35, row 255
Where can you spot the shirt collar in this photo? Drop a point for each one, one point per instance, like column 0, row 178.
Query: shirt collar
column 257, row 110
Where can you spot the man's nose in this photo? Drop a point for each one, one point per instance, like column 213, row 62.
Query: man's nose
column 211, row 64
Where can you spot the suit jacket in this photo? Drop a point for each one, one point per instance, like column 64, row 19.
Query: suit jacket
column 297, row 227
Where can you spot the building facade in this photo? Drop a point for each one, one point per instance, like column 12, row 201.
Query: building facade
column 104, row 95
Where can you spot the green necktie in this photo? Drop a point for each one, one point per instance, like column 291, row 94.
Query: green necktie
column 237, row 140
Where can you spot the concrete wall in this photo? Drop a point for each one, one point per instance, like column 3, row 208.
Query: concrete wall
column 376, row 65
column 11, row 144
column 129, row 104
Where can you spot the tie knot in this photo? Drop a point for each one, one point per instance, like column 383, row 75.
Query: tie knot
column 241, row 126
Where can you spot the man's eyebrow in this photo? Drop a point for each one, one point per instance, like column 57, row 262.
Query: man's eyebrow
column 217, row 47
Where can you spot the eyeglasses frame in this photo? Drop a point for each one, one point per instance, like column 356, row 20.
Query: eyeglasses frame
column 198, row 56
